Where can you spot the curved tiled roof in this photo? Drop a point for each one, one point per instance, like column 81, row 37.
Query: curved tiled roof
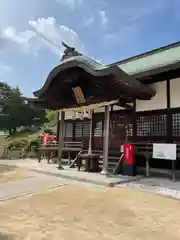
column 96, row 69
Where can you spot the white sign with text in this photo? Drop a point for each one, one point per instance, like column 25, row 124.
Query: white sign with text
column 165, row 151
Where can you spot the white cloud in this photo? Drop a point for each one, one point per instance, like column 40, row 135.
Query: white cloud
column 103, row 18
column 45, row 32
column 70, row 3
column 25, row 40
column 52, row 35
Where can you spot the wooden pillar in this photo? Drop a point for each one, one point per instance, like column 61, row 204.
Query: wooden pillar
column 93, row 128
column 134, row 118
column 106, row 141
column 90, row 134
column 61, row 139
column 58, row 125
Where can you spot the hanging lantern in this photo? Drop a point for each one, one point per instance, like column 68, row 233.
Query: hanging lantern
column 87, row 113
column 81, row 115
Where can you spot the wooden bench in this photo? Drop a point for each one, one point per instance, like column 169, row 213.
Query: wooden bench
column 47, row 150
column 51, row 148
column 145, row 150
column 72, row 147
column 91, row 160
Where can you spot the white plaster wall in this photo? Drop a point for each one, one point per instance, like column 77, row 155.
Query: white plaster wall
column 99, row 110
column 102, row 109
column 175, row 93
column 117, row 108
column 159, row 101
column 69, row 114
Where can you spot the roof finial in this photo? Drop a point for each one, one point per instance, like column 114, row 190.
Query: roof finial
column 68, row 48
column 69, row 51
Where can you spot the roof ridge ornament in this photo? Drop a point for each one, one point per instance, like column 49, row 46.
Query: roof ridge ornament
column 69, row 51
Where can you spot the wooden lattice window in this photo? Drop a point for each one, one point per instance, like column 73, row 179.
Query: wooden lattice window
column 143, row 126
column 129, row 130
column 68, row 130
column 176, row 125
column 78, row 130
column 98, row 131
column 152, row 125
column 86, row 128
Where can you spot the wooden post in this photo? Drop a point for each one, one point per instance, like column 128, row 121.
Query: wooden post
column 90, row 135
column 173, row 170
column 58, row 125
column 147, row 166
column 106, row 141
column 61, row 139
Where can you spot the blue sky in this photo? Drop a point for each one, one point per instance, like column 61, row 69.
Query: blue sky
column 107, row 30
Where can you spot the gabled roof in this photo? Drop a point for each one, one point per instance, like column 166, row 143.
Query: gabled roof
column 161, row 57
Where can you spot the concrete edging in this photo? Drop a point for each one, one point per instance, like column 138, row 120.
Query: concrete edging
column 100, row 183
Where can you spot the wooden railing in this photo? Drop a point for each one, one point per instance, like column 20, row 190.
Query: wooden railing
column 49, row 150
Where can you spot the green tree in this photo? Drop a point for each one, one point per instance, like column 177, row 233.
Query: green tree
column 52, row 116
column 16, row 111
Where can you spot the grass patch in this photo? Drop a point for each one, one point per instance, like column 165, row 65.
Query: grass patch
column 24, row 135
column 29, row 135
column 73, row 212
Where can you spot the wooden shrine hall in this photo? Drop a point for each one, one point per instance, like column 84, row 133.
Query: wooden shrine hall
column 79, row 82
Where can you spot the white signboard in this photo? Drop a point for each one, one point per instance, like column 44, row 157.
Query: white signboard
column 165, row 151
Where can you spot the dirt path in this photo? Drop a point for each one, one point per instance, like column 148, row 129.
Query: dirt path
column 34, row 183
column 75, row 212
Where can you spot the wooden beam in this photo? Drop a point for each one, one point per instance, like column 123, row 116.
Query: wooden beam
column 123, row 104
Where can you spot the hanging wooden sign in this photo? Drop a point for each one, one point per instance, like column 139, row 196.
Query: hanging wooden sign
column 79, row 95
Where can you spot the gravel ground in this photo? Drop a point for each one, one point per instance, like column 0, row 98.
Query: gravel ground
column 164, row 191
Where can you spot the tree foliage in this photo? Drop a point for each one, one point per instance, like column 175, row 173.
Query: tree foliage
column 15, row 111
column 52, row 116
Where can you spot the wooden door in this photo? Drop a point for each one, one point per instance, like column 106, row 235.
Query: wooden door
column 121, row 129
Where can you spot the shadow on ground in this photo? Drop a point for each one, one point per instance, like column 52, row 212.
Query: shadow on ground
column 4, row 236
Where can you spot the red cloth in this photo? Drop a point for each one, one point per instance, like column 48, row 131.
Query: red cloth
column 47, row 138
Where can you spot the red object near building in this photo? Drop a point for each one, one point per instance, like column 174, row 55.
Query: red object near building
column 47, row 138
column 128, row 154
